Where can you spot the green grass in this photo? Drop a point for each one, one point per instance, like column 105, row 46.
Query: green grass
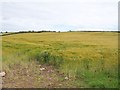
column 90, row 57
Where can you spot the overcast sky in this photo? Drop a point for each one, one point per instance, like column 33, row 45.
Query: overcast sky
column 58, row 15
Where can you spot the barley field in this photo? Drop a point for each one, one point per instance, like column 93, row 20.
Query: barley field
column 70, row 59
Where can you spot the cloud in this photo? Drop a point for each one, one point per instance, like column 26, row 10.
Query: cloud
column 60, row 16
column 59, row 1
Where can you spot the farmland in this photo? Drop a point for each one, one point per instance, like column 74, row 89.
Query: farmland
column 70, row 59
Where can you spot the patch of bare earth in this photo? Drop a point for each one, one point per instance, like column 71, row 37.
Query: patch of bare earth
column 21, row 76
column 50, row 77
column 39, row 76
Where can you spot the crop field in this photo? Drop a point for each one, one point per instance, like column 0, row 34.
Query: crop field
column 68, row 59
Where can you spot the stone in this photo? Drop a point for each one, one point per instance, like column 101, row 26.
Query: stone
column 2, row 74
column 41, row 69
column 66, row 78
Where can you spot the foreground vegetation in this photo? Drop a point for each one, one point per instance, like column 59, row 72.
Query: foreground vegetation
column 79, row 59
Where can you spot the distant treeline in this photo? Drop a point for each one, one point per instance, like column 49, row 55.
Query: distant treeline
column 94, row 31
column 11, row 33
column 34, row 31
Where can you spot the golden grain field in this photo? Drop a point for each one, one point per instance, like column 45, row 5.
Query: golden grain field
column 87, row 59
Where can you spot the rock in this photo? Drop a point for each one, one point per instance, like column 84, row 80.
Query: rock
column 60, row 84
column 2, row 74
column 50, row 78
column 66, row 78
column 48, row 71
column 41, row 69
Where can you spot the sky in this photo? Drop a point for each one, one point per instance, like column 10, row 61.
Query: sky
column 59, row 15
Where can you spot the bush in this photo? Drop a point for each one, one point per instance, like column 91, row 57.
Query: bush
column 45, row 57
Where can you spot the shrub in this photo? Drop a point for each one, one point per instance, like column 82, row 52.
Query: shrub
column 45, row 57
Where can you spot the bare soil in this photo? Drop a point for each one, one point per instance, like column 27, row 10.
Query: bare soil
column 47, row 78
